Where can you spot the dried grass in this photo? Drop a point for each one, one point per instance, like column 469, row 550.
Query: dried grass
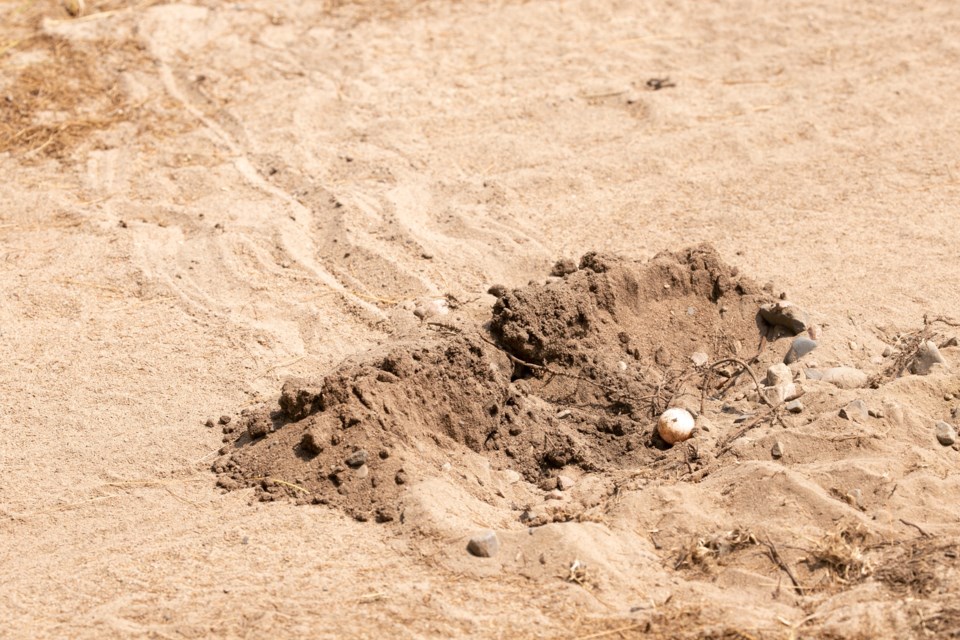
column 844, row 554
column 704, row 552
column 56, row 94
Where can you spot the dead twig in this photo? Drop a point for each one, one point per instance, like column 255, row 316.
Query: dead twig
column 923, row 532
column 780, row 562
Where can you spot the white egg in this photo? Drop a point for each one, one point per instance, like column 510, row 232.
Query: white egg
column 675, row 425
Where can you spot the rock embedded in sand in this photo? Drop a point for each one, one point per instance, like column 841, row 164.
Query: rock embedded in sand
column 856, row 410
column 777, row 450
column 484, row 545
column 794, row 406
column 785, row 314
column 946, row 434
column 699, row 358
column 564, row 483
column 357, row 459
column 928, row 356
column 800, row 347
column 844, row 377
column 779, row 374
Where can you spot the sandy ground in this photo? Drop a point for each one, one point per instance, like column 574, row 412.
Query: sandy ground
column 201, row 199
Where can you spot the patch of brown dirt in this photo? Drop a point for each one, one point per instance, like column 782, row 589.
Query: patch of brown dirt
column 571, row 374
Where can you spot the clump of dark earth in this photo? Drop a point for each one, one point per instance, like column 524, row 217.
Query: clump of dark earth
column 609, row 340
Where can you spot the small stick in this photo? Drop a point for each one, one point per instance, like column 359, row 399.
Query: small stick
column 923, row 532
column 745, row 367
column 778, row 559
column 603, row 634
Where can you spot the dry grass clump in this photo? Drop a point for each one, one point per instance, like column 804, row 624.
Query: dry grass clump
column 53, row 104
column 920, row 568
column 844, row 554
column 703, row 552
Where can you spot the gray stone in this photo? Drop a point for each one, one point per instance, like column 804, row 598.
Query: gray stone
column 779, row 374
column 777, row 450
column 357, row 459
column 785, row 314
column 794, row 406
column 946, row 434
column 856, row 410
column 800, row 347
column 928, row 356
column 484, row 545
column 845, row 377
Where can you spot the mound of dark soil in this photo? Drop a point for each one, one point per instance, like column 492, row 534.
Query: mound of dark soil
column 570, row 372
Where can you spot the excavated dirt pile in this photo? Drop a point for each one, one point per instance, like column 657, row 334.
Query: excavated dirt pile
column 569, row 372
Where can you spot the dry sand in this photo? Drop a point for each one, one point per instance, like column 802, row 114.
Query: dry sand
column 200, row 200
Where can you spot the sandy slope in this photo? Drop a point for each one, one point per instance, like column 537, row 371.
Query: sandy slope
column 293, row 175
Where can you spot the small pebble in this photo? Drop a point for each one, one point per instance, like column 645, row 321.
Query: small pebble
column 357, row 459
column 876, row 413
column 854, row 346
column 555, row 494
column 209, row 422
column 484, row 545
column 794, row 406
column 700, row 359
column 563, row 414
column 946, row 434
column 564, row 483
column 224, row 419
column 856, row 410
column 800, row 347
column 446, row 466
column 777, row 450
column 887, row 351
